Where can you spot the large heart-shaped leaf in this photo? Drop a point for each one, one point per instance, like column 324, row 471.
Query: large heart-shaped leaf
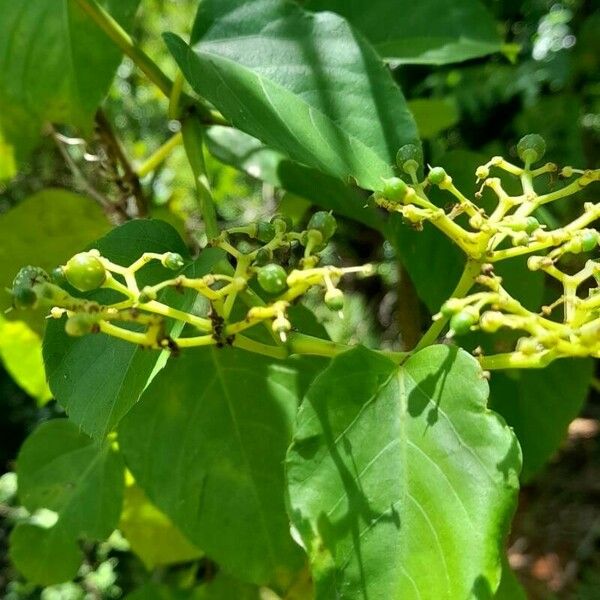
column 56, row 65
column 62, row 470
column 207, row 443
column 401, row 481
column 306, row 85
column 97, row 378
column 434, row 32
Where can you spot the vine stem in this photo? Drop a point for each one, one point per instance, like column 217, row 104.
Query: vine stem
column 124, row 41
column 465, row 283
column 160, row 155
column 193, row 142
column 306, row 345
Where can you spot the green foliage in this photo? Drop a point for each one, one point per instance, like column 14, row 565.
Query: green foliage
column 62, row 470
column 102, row 394
column 240, row 451
column 231, row 414
column 150, row 533
column 539, row 405
column 21, row 353
column 46, row 229
column 75, row 73
column 433, row 32
column 392, row 468
column 351, row 127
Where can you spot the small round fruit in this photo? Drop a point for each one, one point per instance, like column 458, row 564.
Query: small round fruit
column 436, row 175
column 173, row 261
column 85, row 272
column 334, row 299
column 323, row 222
column 531, row 148
column 409, row 157
column 394, row 189
column 272, row 278
column 462, row 321
column 265, row 232
column 24, row 297
column 58, row 276
column 263, row 257
column 589, row 240
column 79, row 324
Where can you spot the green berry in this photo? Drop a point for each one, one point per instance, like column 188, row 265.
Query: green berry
column 531, row 148
column 272, row 278
column 58, row 276
column 334, row 299
column 394, row 189
column 79, row 324
column 173, row 261
column 263, row 257
column 409, row 158
column 24, row 297
column 436, row 176
column 462, row 321
column 85, row 272
column 589, row 240
column 531, row 225
column 23, row 292
column 324, row 223
column 265, row 232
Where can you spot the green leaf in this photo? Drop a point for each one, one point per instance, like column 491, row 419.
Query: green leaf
column 45, row 230
column 62, row 470
column 435, row 32
column 207, row 443
column 56, row 65
column 401, row 482
column 510, row 587
column 162, row 591
column 81, row 371
column 306, row 85
column 150, row 533
column 434, row 115
column 236, row 148
column 21, row 353
column 540, row 404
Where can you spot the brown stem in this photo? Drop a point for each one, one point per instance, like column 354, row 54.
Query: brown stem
column 128, row 182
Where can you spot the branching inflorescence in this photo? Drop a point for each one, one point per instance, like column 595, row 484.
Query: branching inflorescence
column 510, row 230
column 142, row 306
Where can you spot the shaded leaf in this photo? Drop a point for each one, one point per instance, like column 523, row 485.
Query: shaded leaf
column 81, row 371
column 401, row 482
column 207, row 442
column 62, row 470
column 435, row 32
column 540, row 404
column 242, row 151
column 150, row 532
column 306, row 85
column 45, row 230
column 434, row 115
column 56, row 65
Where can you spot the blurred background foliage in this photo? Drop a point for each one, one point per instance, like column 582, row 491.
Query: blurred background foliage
column 483, row 106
